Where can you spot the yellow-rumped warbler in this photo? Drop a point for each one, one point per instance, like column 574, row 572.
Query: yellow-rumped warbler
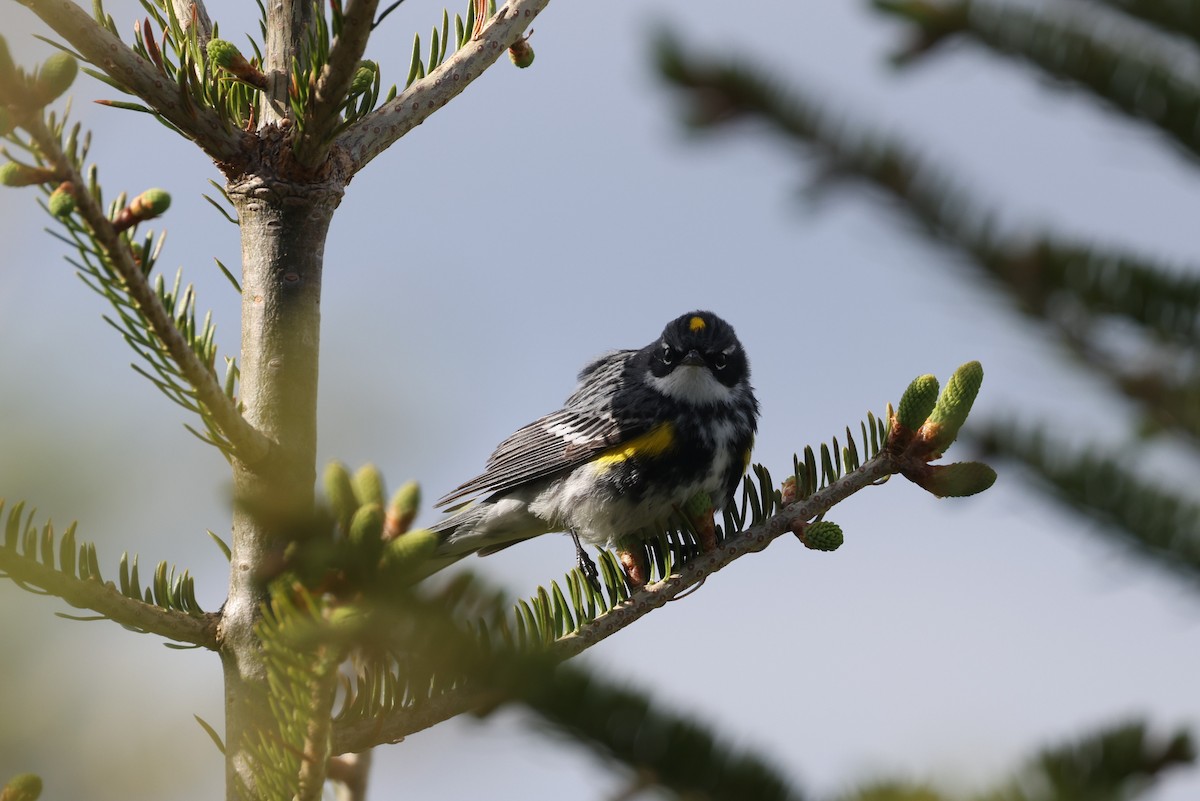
column 643, row 433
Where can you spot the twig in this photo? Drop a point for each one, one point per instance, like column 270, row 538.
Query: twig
column 314, row 761
column 334, row 82
column 641, row 782
column 106, row 600
column 248, row 443
column 750, row 540
column 379, row 20
column 361, row 734
column 350, row 771
column 374, row 133
column 141, row 78
column 193, row 12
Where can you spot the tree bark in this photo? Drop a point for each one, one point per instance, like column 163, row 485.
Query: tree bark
column 289, row 23
column 283, row 230
column 283, row 224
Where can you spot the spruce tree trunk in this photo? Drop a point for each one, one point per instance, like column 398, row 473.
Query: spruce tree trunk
column 283, row 229
column 284, row 215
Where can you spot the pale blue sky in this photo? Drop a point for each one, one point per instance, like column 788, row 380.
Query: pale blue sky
column 548, row 215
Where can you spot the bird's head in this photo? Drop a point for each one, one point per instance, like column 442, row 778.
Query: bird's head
column 698, row 359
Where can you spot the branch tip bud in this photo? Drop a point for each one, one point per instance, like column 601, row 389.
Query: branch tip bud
column 407, row 552
column 366, row 532
column 22, row 787
column 521, row 52
column 364, row 77
column 402, row 510
column 146, row 206
column 368, row 485
column 957, row 480
column 225, row 55
column 339, row 492
column 62, row 200
column 917, row 402
column 823, row 535
column 952, row 408
column 55, row 77
column 14, row 174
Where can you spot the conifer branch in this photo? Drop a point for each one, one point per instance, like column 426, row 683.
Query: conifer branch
column 315, row 754
column 751, row 540
column 1131, row 77
column 333, row 84
column 403, row 684
column 1169, row 16
column 107, row 600
column 350, row 773
column 357, row 735
column 1069, row 285
column 139, row 77
column 1118, row 761
column 1169, row 396
column 614, row 721
column 374, row 133
column 249, row 444
column 618, row 723
column 1160, row 525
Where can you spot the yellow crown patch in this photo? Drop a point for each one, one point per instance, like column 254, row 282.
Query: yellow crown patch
column 696, row 323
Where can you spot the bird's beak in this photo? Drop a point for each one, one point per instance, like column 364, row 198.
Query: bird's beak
column 693, row 359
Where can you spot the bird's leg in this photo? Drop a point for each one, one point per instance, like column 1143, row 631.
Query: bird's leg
column 699, row 512
column 636, row 566
column 585, row 562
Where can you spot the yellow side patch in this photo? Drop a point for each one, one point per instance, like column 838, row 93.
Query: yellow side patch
column 652, row 443
column 696, row 323
column 746, row 459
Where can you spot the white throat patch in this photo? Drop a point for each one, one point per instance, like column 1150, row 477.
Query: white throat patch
column 693, row 384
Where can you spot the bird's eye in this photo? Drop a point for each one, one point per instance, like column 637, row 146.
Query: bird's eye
column 719, row 361
column 668, row 354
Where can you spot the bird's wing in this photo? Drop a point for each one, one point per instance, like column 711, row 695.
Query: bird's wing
column 584, row 427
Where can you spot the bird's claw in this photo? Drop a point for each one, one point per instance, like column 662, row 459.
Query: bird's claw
column 585, row 563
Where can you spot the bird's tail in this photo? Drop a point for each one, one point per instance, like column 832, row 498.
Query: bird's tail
column 457, row 534
column 483, row 528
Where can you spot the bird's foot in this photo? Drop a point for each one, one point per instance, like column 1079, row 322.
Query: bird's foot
column 585, row 562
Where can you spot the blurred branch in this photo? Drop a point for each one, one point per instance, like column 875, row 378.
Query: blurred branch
column 1170, row 16
column 1133, row 78
column 1069, row 285
column 1117, row 762
column 1154, row 522
column 374, row 133
column 350, row 772
column 107, row 52
column 1170, row 400
column 665, row 750
column 661, row 748
column 315, row 761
